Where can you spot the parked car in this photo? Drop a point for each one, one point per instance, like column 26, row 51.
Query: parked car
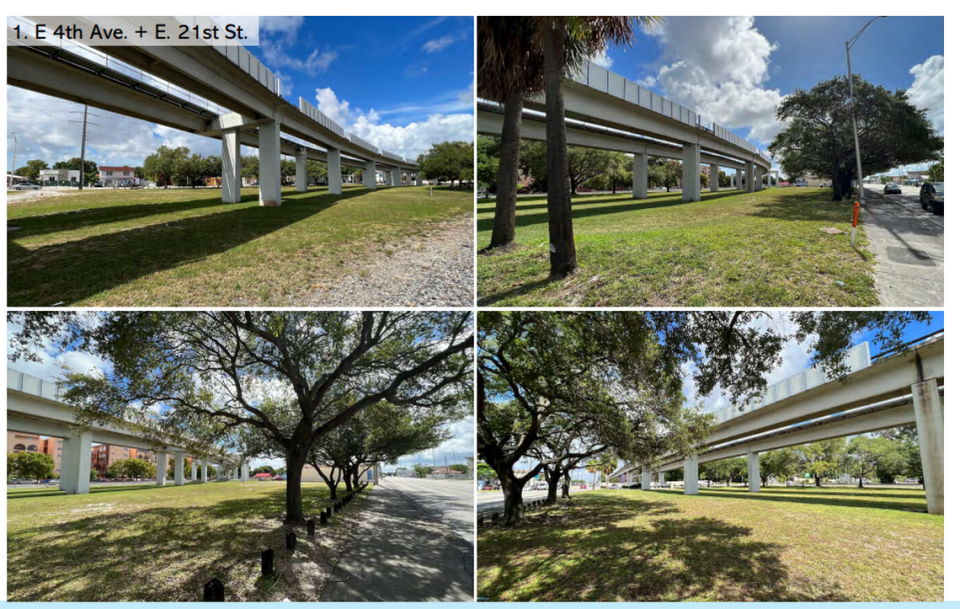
column 826, row 185
column 26, row 186
column 931, row 197
column 615, row 487
column 487, row 487
column 801, row 184
column 891, row 189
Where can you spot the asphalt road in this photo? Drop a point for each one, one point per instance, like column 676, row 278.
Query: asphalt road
column 490, row 502
column 907, row 243
column 414, row 544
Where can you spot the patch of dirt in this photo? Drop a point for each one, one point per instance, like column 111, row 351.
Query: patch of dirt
column 29, row 196
column 434, row 269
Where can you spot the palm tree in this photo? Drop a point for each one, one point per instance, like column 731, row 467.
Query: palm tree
column 509, row 68
column 593, row 467
column 608, row 463
column 567, row 43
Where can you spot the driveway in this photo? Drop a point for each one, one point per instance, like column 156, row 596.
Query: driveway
column 907, row 244
column 415, row 544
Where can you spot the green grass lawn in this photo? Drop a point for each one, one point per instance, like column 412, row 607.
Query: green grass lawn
column 186, row 248
column 151, row 543
column 725, row 544
column 729, row 249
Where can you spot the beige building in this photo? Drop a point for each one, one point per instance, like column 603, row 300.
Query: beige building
column 31, row 443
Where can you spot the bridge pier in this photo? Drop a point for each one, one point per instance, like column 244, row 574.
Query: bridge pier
column 230, row 179
column 203, row 470
column 75, row 463
column 769, row 180
column 691, row 475
column 162, row 469
column 739, row 183
column 753, row 471
column 928, row 409
column 270, row 164
column 691, row 173
column 398, row 180
column 178, row 469
column 245, row 472
column 334, row 175
column 640, row 175
column 749, row 183
column 419, row 180
column 370, row 175
column 193, row 469
column 660, row 479
column 759, row 175
column 645, row 478
column 714, row 178
column 301, row 170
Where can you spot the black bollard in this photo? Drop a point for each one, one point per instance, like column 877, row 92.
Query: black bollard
column 480, row 521
column 311, row 528
column 291, row 541
column 336, row 507
column 213, row 591
column 329, row 512
column 495, row 518
column 324, row 518
column 266, row 563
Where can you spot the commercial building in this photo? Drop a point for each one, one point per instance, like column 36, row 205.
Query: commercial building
column 32, row 443
column 118, row 176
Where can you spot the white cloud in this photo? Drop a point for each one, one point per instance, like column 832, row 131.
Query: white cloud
column 284, row 27
column 927, row 89
column 718, row 67
column 437, row 44
column 445, row 122
column 278, row 34
column 602, row 59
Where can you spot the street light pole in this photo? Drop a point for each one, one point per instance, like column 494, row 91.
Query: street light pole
column 13, row 170
column 853, row 106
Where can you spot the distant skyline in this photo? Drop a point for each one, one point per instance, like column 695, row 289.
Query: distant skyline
column 736, row 70
column 403, row 83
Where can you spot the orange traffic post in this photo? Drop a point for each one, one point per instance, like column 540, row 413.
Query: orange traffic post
column 853, row 233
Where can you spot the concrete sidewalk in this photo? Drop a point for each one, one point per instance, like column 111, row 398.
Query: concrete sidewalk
column 402, row 551
column 908, row 248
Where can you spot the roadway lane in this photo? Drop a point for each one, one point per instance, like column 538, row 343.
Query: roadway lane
column 907, row 244
column 492, row 502
column 414, row 544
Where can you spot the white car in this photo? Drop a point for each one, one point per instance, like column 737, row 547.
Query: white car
column 615, row 487
column 25, row 186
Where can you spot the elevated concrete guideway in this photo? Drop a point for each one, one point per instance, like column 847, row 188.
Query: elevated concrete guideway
column 902, row 389
column 34, row 407
column 598, row 97
column 230, row 79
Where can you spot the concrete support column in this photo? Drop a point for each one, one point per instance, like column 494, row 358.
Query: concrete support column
column 203, row 471
column 691, row 475
column 245, row 472
column 75, row 463
column 769, row 180
column 370, row 175
column 750, row 183
column 640, row 175
column 397, row 178
column 753, row 471
column 301, row 170
column 691, row 172
column 270, row 164
column 660, row 479
column 645, row 478
column 178, row 469
column 759, row 176
column 193, row 469
column 739, row 183
column 230, row 179
column 928, row 409
column 162, row 461
column 714, row 178
column 419, row 180
column 334, row 178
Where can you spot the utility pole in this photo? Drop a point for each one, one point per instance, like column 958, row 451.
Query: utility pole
column 13, row 170
column 853, row 106
column 83, row 148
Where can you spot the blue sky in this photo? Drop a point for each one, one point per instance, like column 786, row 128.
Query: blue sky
column 403, row 83
column 735, row 70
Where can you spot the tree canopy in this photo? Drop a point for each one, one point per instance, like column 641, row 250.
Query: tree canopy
column 817, row 137
column 448, row 161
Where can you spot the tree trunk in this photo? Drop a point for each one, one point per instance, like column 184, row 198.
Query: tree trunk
column 563, row 255
column 553, row 482
column 861, row 482
column 816, row 480
column 565, row 494
column 331, row 482
column 512, row 501
column 296, row 459
column 505, row 213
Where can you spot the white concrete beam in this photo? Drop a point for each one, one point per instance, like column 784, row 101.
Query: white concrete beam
column 753, row 471
column 334, row 178
column 203, row 470
column 645, row 478
column 714, row 178
column 370, row 176
column 162, row 462
column 178, row 469
column 691, row 475
column 301, row 170
column 691, row 173
column 75, row 463
column 397, row 179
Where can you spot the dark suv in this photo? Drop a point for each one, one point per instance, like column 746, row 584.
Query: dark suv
column 931, row 197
